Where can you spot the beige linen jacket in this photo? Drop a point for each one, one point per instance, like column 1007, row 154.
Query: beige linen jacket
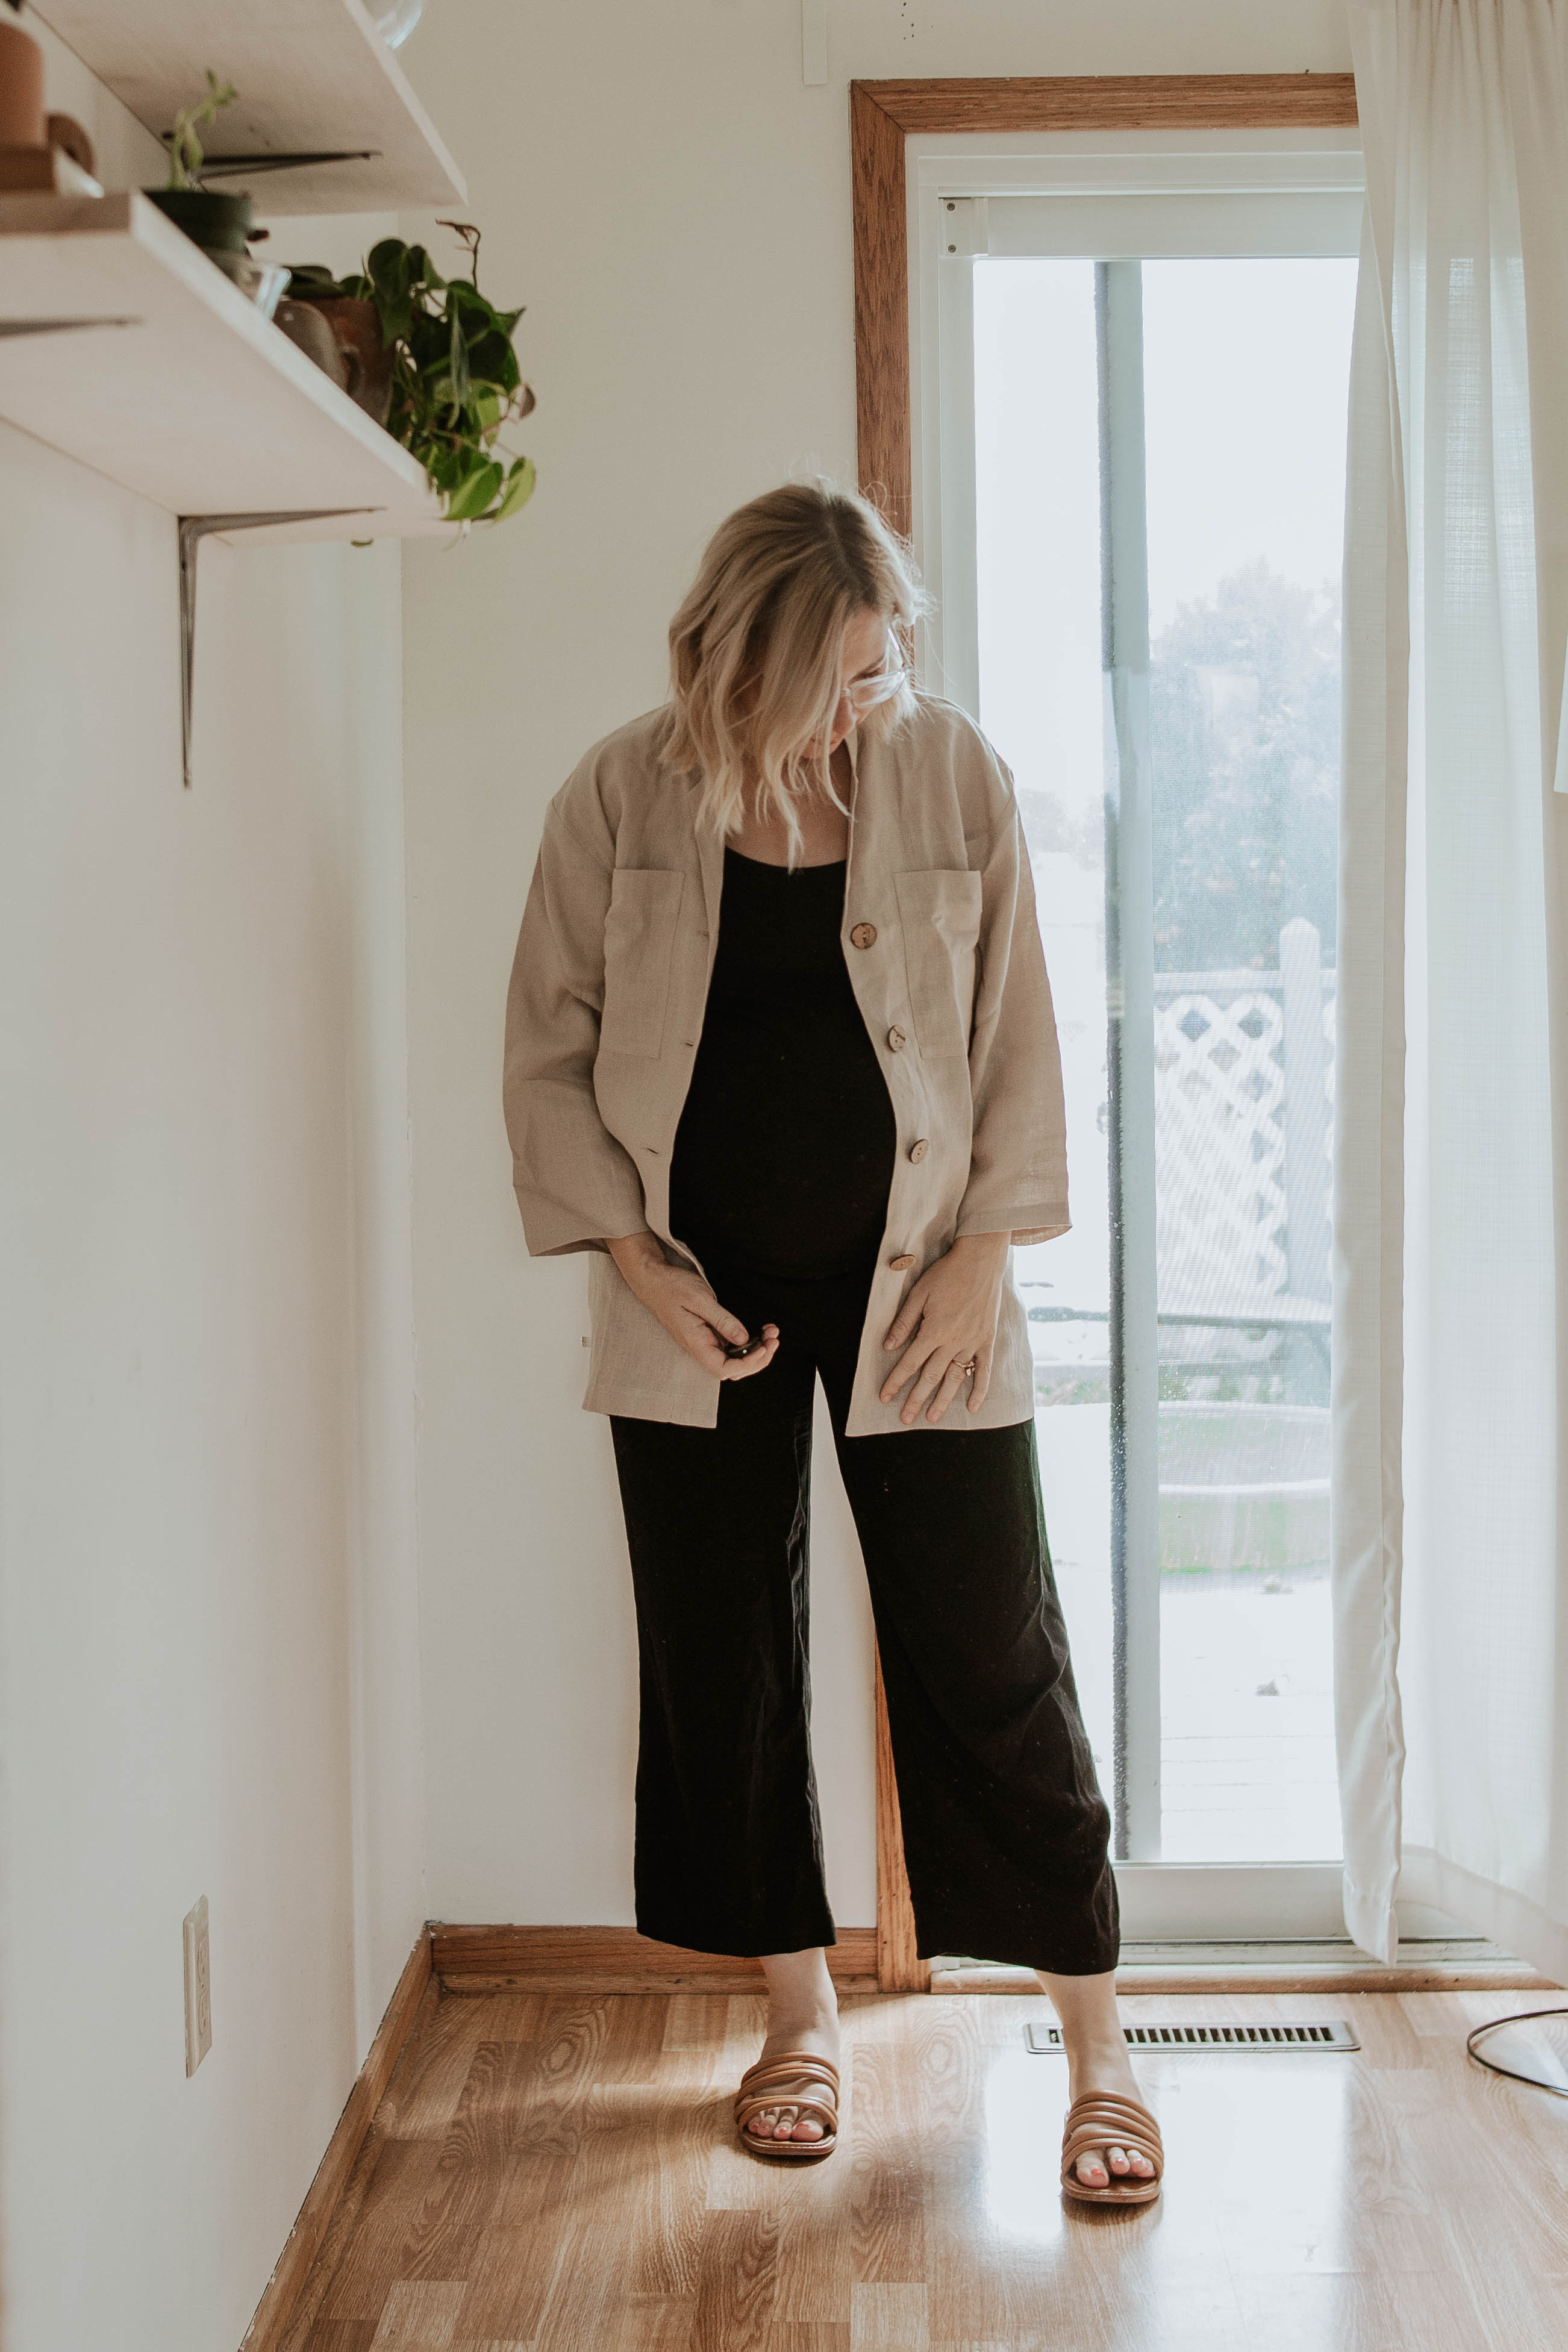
column 608, row 994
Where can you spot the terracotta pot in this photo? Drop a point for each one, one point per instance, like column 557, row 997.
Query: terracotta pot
column 303, row 324
column 21, row 89
column 367, row 361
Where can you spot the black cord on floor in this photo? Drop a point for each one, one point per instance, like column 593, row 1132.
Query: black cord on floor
column 1525, row 2017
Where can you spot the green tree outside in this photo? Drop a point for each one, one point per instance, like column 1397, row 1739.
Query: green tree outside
column 1244, row 716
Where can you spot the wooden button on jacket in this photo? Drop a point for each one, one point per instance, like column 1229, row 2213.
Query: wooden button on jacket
column 608, row 994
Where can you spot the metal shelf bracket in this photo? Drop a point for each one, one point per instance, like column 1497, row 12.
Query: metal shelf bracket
column 193, row 529
column 9, row 327
column 246, row 167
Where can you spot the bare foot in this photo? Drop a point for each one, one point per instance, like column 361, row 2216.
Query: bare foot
column 1108, row 2072
column 803, row 2014
column 1097, row 2061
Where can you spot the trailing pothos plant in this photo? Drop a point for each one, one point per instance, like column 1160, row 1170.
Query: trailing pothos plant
column 455, row 378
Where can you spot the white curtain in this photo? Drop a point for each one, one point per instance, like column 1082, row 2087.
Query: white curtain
column 1451, row 1189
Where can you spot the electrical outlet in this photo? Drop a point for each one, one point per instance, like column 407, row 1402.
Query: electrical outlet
column 198, row 1988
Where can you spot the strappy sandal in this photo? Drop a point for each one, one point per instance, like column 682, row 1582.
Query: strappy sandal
column 797, row 2078
column 1100, row 2119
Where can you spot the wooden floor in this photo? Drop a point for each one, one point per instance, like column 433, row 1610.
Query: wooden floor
column 549, row 2171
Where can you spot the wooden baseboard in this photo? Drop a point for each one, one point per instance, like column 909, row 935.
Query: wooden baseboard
column 615, row 1959
column 1254, row 1976
column 1368, row 1978
column 275, row 2309
column 472, row 1959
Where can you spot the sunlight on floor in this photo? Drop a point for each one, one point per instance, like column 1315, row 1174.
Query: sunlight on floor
column 1219, row 2116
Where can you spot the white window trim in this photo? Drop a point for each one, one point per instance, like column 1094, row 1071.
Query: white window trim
column 1311, row 184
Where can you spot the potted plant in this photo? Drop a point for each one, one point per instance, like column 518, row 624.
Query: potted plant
column 353, row 328
column 219, row 224
column 452, row 378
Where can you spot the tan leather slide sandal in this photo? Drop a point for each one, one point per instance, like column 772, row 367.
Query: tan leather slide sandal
column 1099, row 2119
column 794, row 2079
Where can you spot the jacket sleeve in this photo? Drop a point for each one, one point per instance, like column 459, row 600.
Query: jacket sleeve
column 576, row 1185
column 1018, row 1167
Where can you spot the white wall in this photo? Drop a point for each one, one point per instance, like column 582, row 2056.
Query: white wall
column 674, row 207
column 208, row 1605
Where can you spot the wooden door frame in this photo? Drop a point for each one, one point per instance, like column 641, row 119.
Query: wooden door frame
column 881, row 116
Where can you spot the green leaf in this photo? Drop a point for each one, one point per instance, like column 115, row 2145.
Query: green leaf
column 416, row 275
column 474, row 495
column 389, row 267
column 518, row 491
column 447, row 468
column 311, row 281
column 492, row 360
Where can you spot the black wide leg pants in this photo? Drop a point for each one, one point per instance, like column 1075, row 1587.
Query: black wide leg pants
column 1005, row 1830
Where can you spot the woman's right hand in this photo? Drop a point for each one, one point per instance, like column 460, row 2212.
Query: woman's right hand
column 688, row 1309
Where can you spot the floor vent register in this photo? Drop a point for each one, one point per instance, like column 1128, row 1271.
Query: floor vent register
column 1045, row 2040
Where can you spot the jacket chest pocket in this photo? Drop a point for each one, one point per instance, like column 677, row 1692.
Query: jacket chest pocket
column 639, row 946
column 940, row 913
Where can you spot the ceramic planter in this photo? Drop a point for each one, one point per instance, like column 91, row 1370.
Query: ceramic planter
column 217, row 224
column 305, row 327
column 367, row 361
column 220, row 227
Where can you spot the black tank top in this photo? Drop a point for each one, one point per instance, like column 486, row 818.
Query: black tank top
column 785, row 1150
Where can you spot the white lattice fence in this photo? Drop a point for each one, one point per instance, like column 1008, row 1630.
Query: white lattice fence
column 1222, row 1128
column 1219, row 1141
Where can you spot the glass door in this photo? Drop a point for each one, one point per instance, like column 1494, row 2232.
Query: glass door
column 1141, row 486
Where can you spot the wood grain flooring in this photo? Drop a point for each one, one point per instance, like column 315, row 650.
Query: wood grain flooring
column 553, row 2170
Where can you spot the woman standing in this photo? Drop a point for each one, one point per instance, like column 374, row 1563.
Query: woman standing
column 780, row 1054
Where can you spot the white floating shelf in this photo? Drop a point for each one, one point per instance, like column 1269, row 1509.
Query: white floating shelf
column 195, row 400
column 314, row 78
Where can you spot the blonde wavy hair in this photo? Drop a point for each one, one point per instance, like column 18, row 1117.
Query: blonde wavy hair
column 756, row 645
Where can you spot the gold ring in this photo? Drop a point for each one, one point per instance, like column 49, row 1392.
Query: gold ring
column 970, row 1365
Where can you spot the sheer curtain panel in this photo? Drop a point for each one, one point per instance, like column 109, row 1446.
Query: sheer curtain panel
column 1451, row 1187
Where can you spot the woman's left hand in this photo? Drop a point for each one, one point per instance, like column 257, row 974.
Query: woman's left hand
column 949, row 1319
